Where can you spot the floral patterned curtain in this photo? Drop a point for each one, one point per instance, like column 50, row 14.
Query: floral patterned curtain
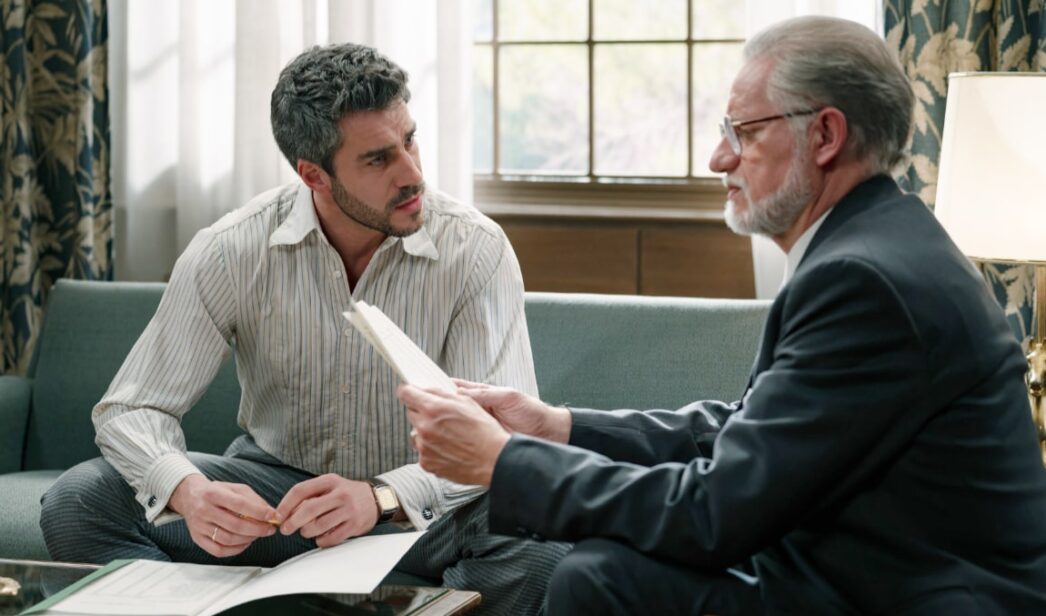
column 938, row 37
column 54, row 160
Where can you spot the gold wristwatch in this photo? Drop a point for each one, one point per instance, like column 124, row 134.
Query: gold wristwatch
column 385, row 499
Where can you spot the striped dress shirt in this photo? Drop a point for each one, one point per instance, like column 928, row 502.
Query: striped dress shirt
column 265, row 283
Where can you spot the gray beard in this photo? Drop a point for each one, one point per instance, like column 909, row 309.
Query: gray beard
column 775, row 213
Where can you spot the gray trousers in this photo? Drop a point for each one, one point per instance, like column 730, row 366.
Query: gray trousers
column 90, row 515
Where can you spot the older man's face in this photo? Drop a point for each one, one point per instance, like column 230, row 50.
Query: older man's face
column 766, row 184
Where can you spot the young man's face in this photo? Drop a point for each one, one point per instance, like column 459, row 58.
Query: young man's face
column 377, row 171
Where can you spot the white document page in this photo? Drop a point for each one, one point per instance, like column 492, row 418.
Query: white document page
column 151, row 588
column 354, row 567
column 398, row 350
column 154, row 588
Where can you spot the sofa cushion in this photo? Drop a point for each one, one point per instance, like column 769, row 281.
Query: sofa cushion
column 88, row 330
column 20, row 513
column 616, row 351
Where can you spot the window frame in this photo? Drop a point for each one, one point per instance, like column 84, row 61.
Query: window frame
column 596, row 196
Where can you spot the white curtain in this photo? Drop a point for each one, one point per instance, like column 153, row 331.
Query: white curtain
column 768, row 260
column 190, row 86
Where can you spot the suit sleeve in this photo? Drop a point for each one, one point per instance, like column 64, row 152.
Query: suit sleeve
column 654, row 436
column 846, row 388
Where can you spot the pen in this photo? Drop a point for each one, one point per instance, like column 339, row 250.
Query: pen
column 272, row 521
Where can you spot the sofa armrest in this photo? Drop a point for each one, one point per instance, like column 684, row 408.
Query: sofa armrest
column 15, row 393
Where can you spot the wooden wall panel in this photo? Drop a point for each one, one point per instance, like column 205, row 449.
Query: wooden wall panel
column 695, row 260
column 576, row 258
column 648, row 257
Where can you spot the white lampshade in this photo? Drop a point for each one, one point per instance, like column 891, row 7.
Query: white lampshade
column 991, row 188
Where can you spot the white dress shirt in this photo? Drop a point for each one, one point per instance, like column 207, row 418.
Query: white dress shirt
column 795, row 255
column 314, row 393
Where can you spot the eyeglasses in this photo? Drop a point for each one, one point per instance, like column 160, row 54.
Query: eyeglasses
column 728, row 129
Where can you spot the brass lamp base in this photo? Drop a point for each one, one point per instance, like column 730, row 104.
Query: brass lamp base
column 1036, row 379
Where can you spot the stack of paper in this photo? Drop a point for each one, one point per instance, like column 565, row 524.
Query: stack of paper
column 151, row 588
column 399, row 351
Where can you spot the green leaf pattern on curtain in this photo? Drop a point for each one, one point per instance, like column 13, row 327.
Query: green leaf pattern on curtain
column 936, row 37
column 54, row 160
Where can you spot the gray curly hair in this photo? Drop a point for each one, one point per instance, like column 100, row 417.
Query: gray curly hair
column 827, row 61
column 319, row 88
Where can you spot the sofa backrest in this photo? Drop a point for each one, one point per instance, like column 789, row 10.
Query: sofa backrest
column 616, row 351
column 597, row 351
column 89, row 328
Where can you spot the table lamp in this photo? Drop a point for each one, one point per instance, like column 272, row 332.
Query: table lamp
column 991, row 189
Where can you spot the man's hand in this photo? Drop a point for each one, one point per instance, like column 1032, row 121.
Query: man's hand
column 519, row 412
column 455, row 437
column 329, row 508
column 222, row 518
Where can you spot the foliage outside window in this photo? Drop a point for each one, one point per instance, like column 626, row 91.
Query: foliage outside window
column 602, row 91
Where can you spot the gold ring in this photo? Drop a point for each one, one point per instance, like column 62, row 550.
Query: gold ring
column 214, row 534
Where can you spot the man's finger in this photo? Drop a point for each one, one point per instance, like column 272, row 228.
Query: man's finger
column 249, row 507
column 240, row 525
column 490, row 396
column 229, row 539
column 298, row 494
column 463, row 384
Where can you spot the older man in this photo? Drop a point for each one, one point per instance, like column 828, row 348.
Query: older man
column 881, row 461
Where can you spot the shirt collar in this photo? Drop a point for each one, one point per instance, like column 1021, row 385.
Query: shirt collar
column 299, row 223
column 420, row 244
column 795, row 255
column 302, row 220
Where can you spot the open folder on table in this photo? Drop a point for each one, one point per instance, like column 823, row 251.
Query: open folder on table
column 398, row 350
column 152, row 588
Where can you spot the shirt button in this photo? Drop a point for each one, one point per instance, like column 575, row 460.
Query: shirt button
column 426, row 513
column 347, row 331
column 152, row 501
column 345, row 388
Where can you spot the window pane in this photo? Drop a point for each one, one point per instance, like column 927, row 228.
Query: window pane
column 483, row 28
column 543, row 115
column 482, row 109
column 718, row 19
column 640, row 110
column 543, row 20
column 715, row 65
column 624, row 20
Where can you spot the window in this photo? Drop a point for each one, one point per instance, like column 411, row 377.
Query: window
column 574, row 93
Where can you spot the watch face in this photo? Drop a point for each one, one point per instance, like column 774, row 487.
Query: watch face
column 386, row 498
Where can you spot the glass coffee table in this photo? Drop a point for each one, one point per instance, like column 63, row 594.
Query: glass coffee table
column 26, row 583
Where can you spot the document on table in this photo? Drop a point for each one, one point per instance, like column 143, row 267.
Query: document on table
column 152, row 588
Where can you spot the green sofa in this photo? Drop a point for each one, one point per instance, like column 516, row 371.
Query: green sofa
column 597, row 351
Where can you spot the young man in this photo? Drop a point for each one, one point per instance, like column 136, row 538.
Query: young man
column 883, row 459
column 327, row 453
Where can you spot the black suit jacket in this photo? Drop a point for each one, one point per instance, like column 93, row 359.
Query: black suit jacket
column 883, row 459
